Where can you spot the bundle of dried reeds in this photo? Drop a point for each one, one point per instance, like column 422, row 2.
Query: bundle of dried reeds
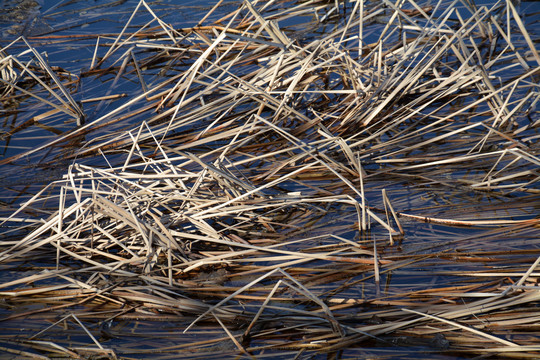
column 285, row 190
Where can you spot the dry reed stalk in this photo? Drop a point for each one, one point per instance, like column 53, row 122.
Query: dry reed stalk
column 241, row 185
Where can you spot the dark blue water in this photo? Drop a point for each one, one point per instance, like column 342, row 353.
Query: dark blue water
column 63, row 31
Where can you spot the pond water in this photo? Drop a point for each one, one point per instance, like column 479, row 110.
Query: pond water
column 69, row 20
column 65, row 33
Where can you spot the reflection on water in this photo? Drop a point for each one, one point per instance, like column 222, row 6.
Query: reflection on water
column 21, row 17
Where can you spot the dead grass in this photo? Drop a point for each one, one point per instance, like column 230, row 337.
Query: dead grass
column 283, row 190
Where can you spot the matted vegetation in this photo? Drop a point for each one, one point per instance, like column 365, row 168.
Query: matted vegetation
column 291, row 179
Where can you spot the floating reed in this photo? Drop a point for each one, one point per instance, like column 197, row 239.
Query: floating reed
column 272, row 189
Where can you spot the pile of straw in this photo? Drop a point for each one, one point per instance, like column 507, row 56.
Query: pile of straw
column 338, row 186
